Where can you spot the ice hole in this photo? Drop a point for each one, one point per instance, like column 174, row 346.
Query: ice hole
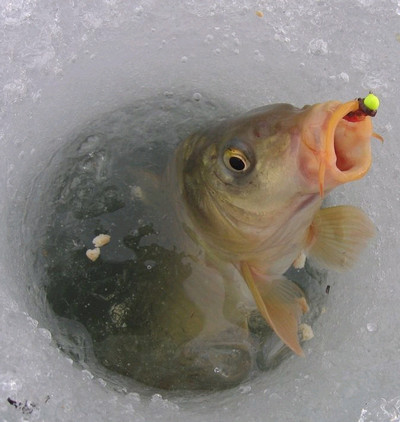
column 103, row 187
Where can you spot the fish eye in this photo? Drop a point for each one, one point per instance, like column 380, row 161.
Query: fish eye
column 236, row 160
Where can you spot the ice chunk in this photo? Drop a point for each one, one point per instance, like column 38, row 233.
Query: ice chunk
column 318, row 47
column 93, row 254
column 306, row 332
column 101, row 240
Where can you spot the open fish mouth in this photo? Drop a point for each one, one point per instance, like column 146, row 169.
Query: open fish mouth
column 342, row 143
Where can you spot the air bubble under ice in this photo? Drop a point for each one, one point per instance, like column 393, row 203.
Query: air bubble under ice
column 66, row 63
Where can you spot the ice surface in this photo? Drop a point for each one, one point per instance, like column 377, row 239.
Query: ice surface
column 64, row 63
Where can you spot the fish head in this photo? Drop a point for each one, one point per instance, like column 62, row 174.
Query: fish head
column 263, row 160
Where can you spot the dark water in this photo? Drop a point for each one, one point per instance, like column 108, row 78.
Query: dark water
column 106, row 180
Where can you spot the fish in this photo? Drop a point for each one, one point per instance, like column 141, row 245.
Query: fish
column 252, row 191
column 239, row 204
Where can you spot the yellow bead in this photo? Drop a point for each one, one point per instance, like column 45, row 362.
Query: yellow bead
column 372, row 102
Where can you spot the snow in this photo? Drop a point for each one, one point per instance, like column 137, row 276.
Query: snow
column 65, row 63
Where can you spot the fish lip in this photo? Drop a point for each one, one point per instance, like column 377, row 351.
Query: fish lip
column 342, row 148
column 352, row 156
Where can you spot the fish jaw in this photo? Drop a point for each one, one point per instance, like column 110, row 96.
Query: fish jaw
column 334, row 151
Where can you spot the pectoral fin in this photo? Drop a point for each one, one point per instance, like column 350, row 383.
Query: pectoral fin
column 339, row 235
column 280, row 302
